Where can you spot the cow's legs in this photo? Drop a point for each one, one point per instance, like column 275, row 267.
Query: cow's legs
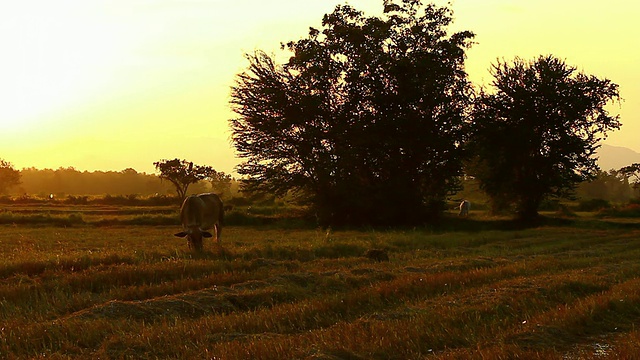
column 218, row 232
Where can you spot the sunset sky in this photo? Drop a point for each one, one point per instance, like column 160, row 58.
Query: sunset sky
column 114, row 84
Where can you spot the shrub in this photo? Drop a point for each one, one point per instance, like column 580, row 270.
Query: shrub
column 629, row 210
column 564, row 211
column 593, row 205
column 550, row 205
column 77, row 200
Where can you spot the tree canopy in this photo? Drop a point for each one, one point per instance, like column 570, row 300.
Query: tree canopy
column 632, row 171
column 183, row 173
column 536, row 134
column 366, row 118
column 9, row 176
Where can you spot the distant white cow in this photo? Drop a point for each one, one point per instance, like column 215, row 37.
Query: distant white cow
column 198, row 214
column 465, row 206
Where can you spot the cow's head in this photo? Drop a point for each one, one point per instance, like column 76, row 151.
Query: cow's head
column 194, row 237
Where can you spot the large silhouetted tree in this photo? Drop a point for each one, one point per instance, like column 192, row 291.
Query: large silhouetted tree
column 9, row 176
column 182, row 173
column 536, row 134
column 365, row 119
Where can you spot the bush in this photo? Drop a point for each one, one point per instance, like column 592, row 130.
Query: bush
column 593, row 205
column 629, row 210
column 564, row 211
column 76, row 200
column 550, row 205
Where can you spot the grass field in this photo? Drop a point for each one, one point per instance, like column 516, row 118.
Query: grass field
column 565, row 290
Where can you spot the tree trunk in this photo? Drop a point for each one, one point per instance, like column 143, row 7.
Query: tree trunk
column 527, row 209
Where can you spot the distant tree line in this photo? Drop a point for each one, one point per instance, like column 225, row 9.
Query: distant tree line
column 65, row 182
column 69, row 181
column 129, row 187
column 613, row 186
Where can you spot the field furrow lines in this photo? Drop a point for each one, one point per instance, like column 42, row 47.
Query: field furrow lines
column 563, row 291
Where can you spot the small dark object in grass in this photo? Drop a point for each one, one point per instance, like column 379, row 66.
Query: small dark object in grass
column 378, row 255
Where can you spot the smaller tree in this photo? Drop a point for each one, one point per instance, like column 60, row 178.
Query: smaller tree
column 536, row 135
column 182, row 173
column 9, row 176
column 632, row 171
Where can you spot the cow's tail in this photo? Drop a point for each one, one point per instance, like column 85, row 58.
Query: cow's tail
column 221, row 215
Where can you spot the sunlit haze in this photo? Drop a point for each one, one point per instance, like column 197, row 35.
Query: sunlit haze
column 115, row 84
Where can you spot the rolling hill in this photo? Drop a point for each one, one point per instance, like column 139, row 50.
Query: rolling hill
column 615, row 157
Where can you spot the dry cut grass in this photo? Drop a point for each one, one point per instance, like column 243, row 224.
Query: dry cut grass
column 552, row 292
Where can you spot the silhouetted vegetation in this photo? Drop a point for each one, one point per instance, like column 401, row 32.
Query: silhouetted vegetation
column 183, row 173
column 365, row 119
column 593, row 205
column 632, row 171
column 68, row 181
column 612, row 186
column 369, row 122
column 9, row 176
column 126, row 187
column 535, row 136
column 630, row 210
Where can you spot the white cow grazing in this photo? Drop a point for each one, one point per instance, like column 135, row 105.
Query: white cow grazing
column 465, row 206
column 198, row 214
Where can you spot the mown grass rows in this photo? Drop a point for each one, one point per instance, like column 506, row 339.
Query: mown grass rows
column 276, row 294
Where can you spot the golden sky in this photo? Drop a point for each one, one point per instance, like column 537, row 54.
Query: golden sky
column 113, row 84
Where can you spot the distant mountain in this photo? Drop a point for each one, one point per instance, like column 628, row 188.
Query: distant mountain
column 615, row 157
